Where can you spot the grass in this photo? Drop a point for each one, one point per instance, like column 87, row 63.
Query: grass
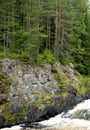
column 86, row 81
column 9, row 55
column 22, row 57
column 59, row 78
column 46, row 98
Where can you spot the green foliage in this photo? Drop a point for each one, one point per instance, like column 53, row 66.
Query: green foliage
column 54, row 70
column 3, row 107
column 46, row 57
column 59, row 78
column 80, row 67
column 86, row 81
column 27, row 28
column 24, row 58
column 23, row 112
column 10, row 80
column 62, row 58
column 1, row 48
column 46, row 98
column 9, row 55
column 4, row 111
column 11, row 118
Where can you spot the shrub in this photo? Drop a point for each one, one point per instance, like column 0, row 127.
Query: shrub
column 10, row 81
column 60, row 80
column 9, row 55
column 86, row 81
column 46, row 57
column 62, row 58
column 54, row 70
column 24, row 58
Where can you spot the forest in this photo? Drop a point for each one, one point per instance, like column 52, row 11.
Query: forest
column 46, row 31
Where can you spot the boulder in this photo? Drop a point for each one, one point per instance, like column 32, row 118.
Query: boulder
column 87, row 95
column 36, row 114
column 81, row 114
column 71, row 89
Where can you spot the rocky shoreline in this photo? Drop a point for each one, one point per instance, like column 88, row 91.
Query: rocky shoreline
column 29, row 94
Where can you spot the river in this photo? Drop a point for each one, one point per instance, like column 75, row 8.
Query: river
column 76, row 119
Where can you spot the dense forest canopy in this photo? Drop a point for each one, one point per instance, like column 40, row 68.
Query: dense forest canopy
column 39, row 30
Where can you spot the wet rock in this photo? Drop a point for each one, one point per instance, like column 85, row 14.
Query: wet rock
column 78, row 99
column 31, row 116
column 2, row 120
column 54, row 110
column 9, row 124
column 87, row 95
column 70, row 102
column 36, row 114
column 81, row 114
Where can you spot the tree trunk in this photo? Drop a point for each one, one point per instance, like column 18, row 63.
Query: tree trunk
column 28, row 15
column 48, row 33
column 57, row 31
column 4, row 37
column 62, row 38
column 48, row 27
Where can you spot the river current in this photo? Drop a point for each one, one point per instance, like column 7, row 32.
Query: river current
column 75, row 119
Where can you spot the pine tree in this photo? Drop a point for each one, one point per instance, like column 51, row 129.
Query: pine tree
column 57, row 30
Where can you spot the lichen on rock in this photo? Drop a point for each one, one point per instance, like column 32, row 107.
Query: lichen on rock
column 39, row 92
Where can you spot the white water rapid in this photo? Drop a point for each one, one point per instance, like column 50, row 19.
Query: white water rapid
column 70, row 119
column 13, row 128
column 75, row 119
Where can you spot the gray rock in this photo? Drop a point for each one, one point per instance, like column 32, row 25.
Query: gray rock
column 35, row 97
column 15, row 108
column 87, row 96
column 2, row 120
column 51, row 84
column 3, row 98
column 36, row 114
column 81, row 114
column 31, row 116
column 79, row 99
column 47, row 67
column 27, row 80
column 72, row 90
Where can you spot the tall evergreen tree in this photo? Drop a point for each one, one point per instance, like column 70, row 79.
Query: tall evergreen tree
column 28, row 27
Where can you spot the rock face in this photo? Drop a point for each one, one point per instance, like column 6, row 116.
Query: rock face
column 34, row 93
column 2, row 121
column 3, row 87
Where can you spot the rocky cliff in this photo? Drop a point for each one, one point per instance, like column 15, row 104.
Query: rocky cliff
column 32, row 93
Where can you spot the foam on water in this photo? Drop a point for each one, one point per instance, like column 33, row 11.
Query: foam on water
column 85, row 105
column 62, row 120
column 57, row 121
column 13, row 128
